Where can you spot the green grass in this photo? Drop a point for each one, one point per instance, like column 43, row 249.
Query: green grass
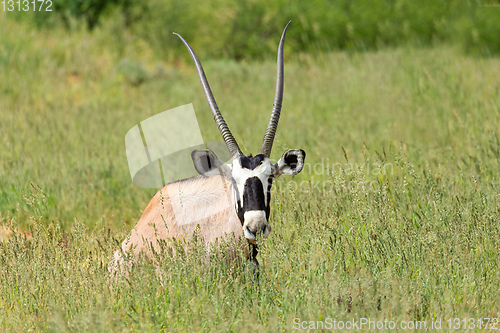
column 396, row 216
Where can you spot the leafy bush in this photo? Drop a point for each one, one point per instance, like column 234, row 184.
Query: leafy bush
column 250, row 29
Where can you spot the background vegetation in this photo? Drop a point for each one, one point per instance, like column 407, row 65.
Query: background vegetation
column 245, row 29
column 396, row 216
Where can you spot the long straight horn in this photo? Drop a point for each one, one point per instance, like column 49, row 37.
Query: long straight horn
column 231, row 143
column 267, row 144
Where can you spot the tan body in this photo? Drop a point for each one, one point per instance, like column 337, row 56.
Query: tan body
column 177, row 209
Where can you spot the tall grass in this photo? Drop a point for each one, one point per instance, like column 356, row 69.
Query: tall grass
column 395, row 216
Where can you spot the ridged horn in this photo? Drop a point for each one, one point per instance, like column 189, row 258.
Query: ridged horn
column 231, row 143
column 267, row 143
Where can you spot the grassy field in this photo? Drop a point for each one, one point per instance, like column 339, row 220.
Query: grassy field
column 396, row 216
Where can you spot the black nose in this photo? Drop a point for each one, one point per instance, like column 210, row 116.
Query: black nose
column 254, row 232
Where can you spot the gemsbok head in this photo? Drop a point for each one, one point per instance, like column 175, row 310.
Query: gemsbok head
column 228, row 198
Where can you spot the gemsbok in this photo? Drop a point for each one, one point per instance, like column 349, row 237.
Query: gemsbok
column 227, row 198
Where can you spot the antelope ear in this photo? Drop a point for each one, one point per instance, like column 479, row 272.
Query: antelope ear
column 208, row 164
column 291, row 163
